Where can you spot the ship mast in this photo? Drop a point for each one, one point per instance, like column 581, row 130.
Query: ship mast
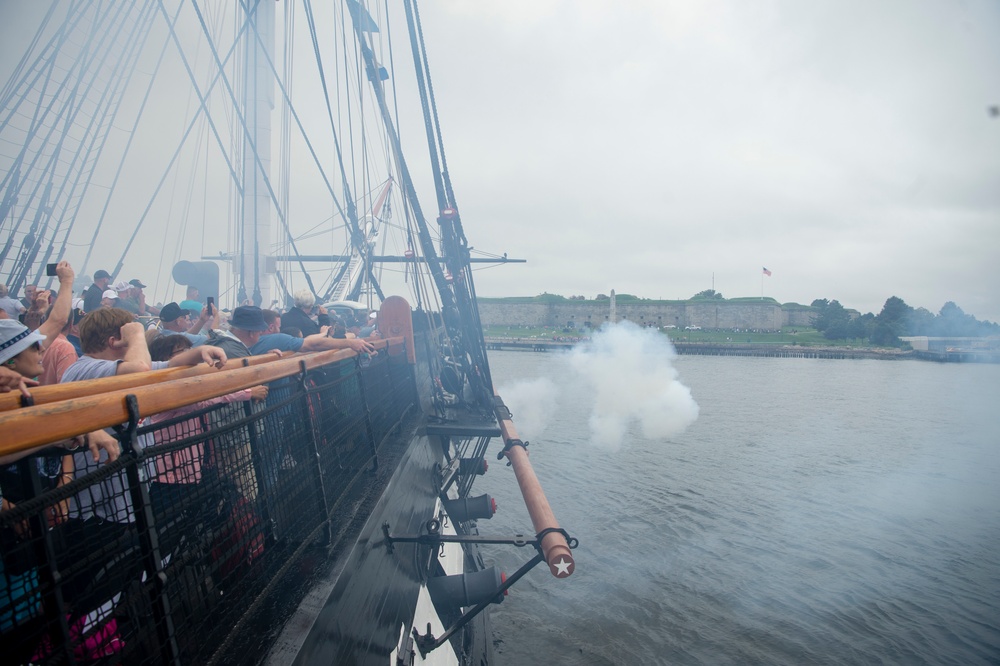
column 253, row 264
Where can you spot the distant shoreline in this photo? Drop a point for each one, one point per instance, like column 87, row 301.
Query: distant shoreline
column 758, row 350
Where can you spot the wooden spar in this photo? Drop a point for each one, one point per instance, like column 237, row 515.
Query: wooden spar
column 47, row 394
column 28, row 427
column 554, row 546
column 56, row 392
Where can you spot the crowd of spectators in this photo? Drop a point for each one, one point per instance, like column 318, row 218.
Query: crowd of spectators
column 108, row 330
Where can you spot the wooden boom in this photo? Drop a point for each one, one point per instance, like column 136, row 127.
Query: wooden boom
column 555, row 548
column 101, row 403
column 45, row 394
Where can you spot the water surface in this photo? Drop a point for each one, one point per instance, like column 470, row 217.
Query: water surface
column 818, row 511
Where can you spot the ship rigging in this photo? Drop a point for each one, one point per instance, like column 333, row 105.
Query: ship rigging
column 355, row 474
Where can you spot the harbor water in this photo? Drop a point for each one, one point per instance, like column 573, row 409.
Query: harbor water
column 816, row 512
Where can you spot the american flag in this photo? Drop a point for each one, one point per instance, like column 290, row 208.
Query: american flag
column 767, row 272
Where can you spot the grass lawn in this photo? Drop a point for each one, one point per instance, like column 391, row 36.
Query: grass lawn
column 807, row 337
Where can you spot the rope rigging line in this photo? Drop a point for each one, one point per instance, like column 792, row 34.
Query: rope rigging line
column 437, row 123
column 203, row 108
column 352, row 237
column 287, row 98
column 128, row 147
column 285, row 157
column 456, row 244
column 251, row 143
column 8, row 89
column 473, row 311
column 68, row 113
column 352, row 213
column 376, row 272
column 55, row 45
column 291, row 109
column 201, row 149
column 39, row 115
column 415, row 45
column 16, row 186
column 356, row 239
column 113, row 95
column 406, row 181
column 181, row 229
column 238, row 147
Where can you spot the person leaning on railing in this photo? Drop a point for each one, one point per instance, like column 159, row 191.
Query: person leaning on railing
column 14, row 381
column 302, row 314
column 21, row 358
column 273, row 339
column 114, row 344
column 22, row 352
column 100, row 513
column 179, row 472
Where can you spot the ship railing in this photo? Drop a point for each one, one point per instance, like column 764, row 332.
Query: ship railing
column 196, row 528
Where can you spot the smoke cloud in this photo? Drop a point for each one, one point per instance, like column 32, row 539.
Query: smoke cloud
column 531, row 401
column 631, row 376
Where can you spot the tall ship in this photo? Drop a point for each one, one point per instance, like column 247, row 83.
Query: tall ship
column 251, row 150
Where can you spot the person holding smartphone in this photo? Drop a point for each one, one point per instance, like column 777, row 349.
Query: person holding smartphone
column 301, row 317
column 175, row 320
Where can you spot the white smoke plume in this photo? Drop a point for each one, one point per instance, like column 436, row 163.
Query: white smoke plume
column 531, row 401
column 632, row 379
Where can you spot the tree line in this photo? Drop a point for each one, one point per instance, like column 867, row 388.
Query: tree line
column 897, row 319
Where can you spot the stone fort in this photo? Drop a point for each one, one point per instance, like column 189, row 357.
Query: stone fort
column 765, row 315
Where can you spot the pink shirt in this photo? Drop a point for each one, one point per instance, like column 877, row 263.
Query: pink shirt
column 60, row 355
column 184, row 466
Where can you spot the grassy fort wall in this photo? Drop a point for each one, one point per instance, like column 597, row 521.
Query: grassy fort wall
column 704, row 314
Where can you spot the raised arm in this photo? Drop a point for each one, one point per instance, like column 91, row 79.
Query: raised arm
column 213, row 356
column 133, row 341
column 63, row 306
column 200, row 322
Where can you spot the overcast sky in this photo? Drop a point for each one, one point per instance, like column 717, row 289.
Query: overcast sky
column 645, row 146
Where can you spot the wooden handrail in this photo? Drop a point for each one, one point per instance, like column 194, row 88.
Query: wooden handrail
column 47, row 394
column 44, row 423
column 56, row 392
column 555, row 547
